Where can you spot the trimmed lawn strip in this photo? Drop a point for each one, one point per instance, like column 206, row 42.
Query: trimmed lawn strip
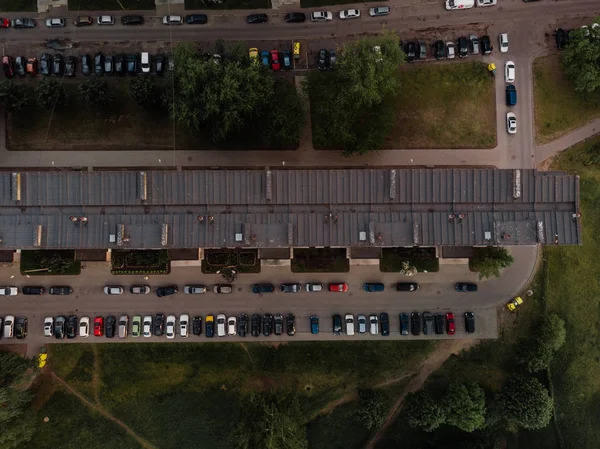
column 111, row 5
column 558, row 108
column 30, row 261
column 18, row 5
column 317, row 3
column 228, row 4
column 445, row 106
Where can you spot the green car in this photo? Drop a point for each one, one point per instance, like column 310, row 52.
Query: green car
column 136, row 326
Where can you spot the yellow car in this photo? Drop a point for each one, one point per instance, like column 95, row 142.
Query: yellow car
column 42, row 358
column 210, row 325
column 514, row 303
column 296, row 50
column 253, row 54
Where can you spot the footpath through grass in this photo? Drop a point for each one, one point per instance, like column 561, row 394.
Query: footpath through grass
column 558, row 108
column 111, row 5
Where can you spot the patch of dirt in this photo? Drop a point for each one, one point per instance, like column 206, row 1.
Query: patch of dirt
column 43, row 387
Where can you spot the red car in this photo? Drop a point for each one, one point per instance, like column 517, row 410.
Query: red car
column 450, row 323
column 7, row 65
column 98, row 326
column 343, row 287
column 4, row 23
column 275, row 64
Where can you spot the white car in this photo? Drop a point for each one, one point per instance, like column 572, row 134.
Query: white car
column 9, row 291
column 231, row 325
column 194, row 289
column 503, row 40
column 379, row 11
column 55, row 23
column 350, row 14
column 321, row 16
column 145, row 62
column 311, row 287
column 84, row 327
column 511, row 123
column 147, row 326
column 9, row 326
column 450, row 53
column 349, row 319
column 172, row 20
column 184, row 322
column 373, row 324
column 486, row 2
column 48, row 326
column 106, row 20
column 509, row 72
column 222, row 288
column 113, row 290
column 220, row 325
column 171, row 326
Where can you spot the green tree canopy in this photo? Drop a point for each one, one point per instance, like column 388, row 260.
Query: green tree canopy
column 50, row 93
column 423, row 412
column 372, row 408
column 525, row 402
column 536, row 352
column 464, row 406
column 581, row 59
column 96, row 92
column 490, row 260
column 354, row 105
column 283, row 122
column 144, row 92
column 13, row 96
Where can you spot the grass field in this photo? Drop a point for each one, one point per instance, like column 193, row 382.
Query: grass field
column 558, row 108
column 573, row 293
column 445, row 106
column 111, row 5
column 228, row 4
column 18, row 5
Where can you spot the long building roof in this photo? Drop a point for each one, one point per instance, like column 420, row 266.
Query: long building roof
column 283, row 208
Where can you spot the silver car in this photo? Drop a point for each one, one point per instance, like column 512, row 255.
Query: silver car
column 361, row 321
column 194, row 289
column 379, row 11
column 123, row 326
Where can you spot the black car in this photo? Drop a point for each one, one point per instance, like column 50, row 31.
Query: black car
column 160, row 64
column 45, row 64
column 166, row 291
column 290, row 324
column 197, row 325
column 267, row 324
column 20, row 65
column 337, row 324
column 196, row 19
column 384, row 324
column 242, row 325
column 255, row 325
column 469, row 322
column 465, row 287
column 33, row 290
column 132, row 20
column 404, row 324
column 415, row 323
column 20, row 327
column 85, row 64
column 131, row 62
column 486, row 45
column 561, row 38
column 263, row 288
column 210, row 328
column 70, row 66
column 257, row 18
column 59, row 327
column 323, row 61
column 439, row 49
column 439, row 322
column 23, row 23
column 411, row 51
column 422, row 50
column 120, row 64
column 99, row 64
column 278, row 324
column 71, row 326
column 57, row 65
column 291, row 288
column 463, row 47
column 427, row 323
column 295, row 17
column 407, row 286
column 60, row 290
column 159, row 324
column 109, row 62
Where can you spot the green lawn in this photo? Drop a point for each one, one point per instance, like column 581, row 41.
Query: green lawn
column 445, row 106
column 111, row 5
column 558, row 108
column 228, row 4
column 18, row 5
column 30, row 263
column 392, row 259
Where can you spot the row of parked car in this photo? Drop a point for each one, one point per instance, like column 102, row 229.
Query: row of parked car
column 562, row 36
column 13, row 327
column 58, row 65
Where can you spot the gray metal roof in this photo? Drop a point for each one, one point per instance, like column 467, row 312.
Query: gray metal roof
column 282, row 208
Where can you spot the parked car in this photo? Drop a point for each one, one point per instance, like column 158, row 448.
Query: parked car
column 55, row 22
column 242, row 324
column 131, row 61
column 197, row 325
column 57, row 65
column 487, row 2
column 59, row 327
column 255, row 325
column 167, row 290
column 332, row 58
column 147, row 326
column 81, row 21
column 9, row 291
column 45, row 63
column 407, row 286
column 373, row 287
column 514, row 303
column 350, row 14
column 136, row 326
column 170, row 328
column 20, row 63
column 108, row 65
column 337, row 324
column 421, row 50
column 84, row 327
column 287, row 59
column 106, row 20
column 321, row 16
column 220, row 323
column 439, row 50
column 210, row 326
column 349, row 322
column 450, row 50
column 98, row 326
column 119, row 65
column 9, row 326
column 262, row 288
column 7, row 66
column 99, row 64
column 267, row 324
column 469, row 322
column 160, row 65
column 295, row 17
column 373, row 324
column 463, row 47
column 511, row 95
column 32, row 66
column 196, row 19
column 465, row 287
column 20, row 327
column 231, row 325
column 503, row 40
column 415, row 323
column 48, row 326
column 113, row 290
column 509, row 72
column 71, row 326
column 85, row 65
column 37, row 290
column 560, row 37
column 70, row 66
column 223, row 288
column 195, row 289
column 404, row 324
column 275, row 64
column 291, row 288
column 110, row 328
column 450, row 326
column 379, row 11
column 264, row 57
column 158, row 325
column 132, row 20
column 361, row 324
column 172, row 20
column 439, row 323
column 474, row 44
column 311, row 287
column 257, row 18
column 4, row 23
column 278, row 324
column 384, row 320
column 410, row 50
column 338, row 287
column 140, row 289
column 486, row 45
column 322, row 62
column 511, row 123
column 428, row 323
column 290, row 324
column 23, row 23
column 314, row 324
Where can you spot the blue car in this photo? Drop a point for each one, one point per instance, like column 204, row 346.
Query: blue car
column 314, row 324
column 264, row 55
column 373, row 287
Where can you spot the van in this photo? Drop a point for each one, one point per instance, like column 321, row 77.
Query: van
column 145, row 62
column 511, row 95
column 9, row 326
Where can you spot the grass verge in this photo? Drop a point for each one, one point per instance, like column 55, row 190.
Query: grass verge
column 320, row 260
column 18, row 5
column 423, row 260
column 33, row 260
column 228, row 4
column 558, row 108
column 111, row 5
column 316, row 3
column 445, row 106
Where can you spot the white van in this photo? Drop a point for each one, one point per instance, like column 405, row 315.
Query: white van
column 9, row 326
column 349, row 319
column 145, row 62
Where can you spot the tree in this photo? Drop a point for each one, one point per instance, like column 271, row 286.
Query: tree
column 56, row 263
column 525, row 402
column 143, row 91
column 464, row 406
column 354, row 105
column 582, row 61
column 283, row 123
column 13, row 96
column 490, row 260
column 50, row 93
column 536, row 352
column 423, row 411
column 372, row 408
column 96, row 92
